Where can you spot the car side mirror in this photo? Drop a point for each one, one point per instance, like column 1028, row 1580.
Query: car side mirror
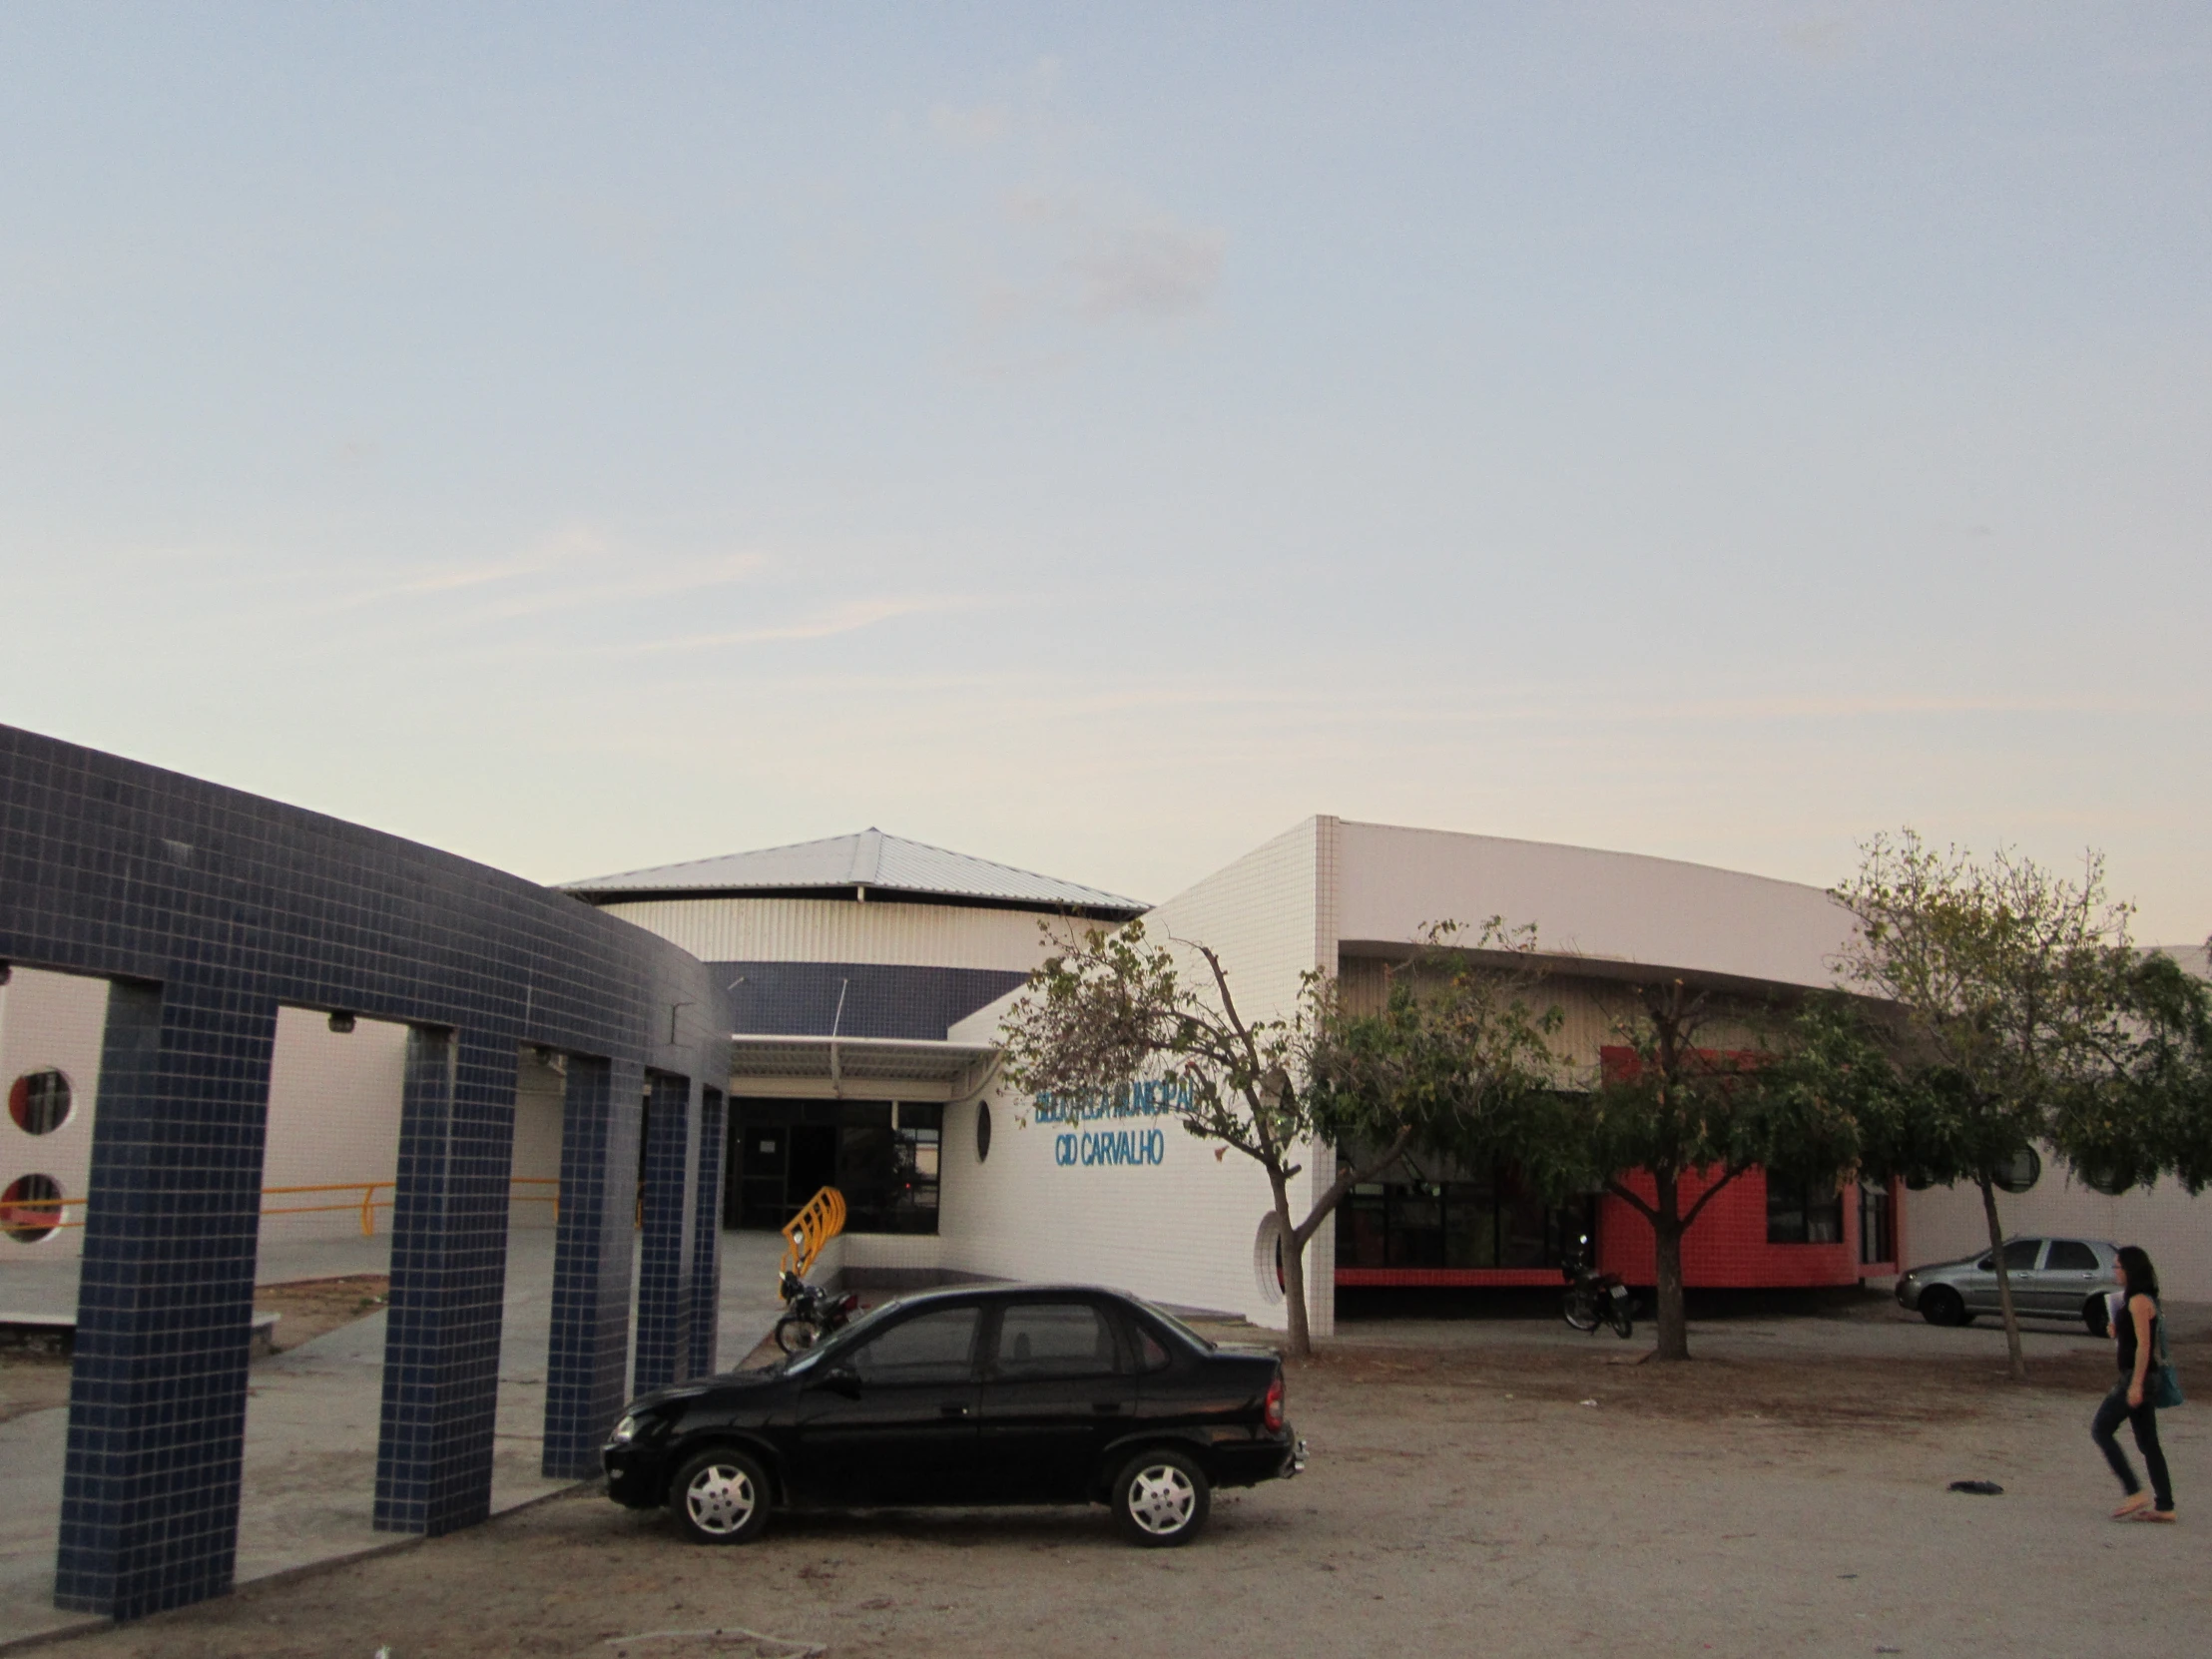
column 840, row 1380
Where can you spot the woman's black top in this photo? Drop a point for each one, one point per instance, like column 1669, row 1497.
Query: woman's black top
column 2126, row 1333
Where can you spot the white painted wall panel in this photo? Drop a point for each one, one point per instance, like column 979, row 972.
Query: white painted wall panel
column 1617, row 907
column 1181, row 1231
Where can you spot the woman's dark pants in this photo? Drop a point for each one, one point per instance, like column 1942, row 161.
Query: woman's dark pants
column 2144, row 1418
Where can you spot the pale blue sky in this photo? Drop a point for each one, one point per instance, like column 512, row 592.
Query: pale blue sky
column 1095, row 438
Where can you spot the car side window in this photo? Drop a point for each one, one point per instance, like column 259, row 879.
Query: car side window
column 2071, row 1256
column 1055, row 1338
column 2020, row 1254
column 931, row 1348
column 1152, row 1354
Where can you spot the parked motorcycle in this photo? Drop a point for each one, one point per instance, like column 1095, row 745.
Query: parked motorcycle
column 1593, row 1297
column 811, row 1314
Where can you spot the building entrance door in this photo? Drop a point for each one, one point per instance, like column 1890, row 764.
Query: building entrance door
column 813, row 1164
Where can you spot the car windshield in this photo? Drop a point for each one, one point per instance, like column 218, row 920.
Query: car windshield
column 1205, row 1345
column 840, row 1342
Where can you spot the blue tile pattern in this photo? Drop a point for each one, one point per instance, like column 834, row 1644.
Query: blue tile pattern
column 706, row 1268
column 594, row 1246
column 209, row 908
column 665, row 1243
column 449, row 1271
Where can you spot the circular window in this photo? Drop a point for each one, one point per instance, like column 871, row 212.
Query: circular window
column 982, row 1130
column 1918, row 1180
column 38, row 1101
column 2021, row 1171
column 1267, row 1258
column 2103, row 1179
column 30, row 1208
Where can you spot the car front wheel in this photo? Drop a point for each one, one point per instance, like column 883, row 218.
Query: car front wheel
column 1939, row 1306
column 720, row 1497
column 1161, row 1499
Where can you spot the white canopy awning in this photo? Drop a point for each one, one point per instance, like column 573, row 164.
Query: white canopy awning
column 859, row 1068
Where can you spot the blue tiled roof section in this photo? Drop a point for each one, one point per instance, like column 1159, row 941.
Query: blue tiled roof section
column 871, row 859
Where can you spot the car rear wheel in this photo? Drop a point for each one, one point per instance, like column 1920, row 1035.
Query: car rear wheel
column 1941, row 1305
column 720, row 1497
column 1161, row 1499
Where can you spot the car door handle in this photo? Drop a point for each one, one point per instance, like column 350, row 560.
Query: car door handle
column 953, row 1409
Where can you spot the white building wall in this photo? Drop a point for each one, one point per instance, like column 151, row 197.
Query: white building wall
column 1943, row 1224
column 1183, row 1230
column 839, row 930
column 333, row 1118
column 51, row 1021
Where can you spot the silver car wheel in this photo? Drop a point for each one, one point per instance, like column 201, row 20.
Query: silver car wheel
column 720, row 1499
column 1162, row 1499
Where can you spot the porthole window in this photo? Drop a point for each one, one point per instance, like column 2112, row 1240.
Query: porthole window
column 2020, row 1172
column 39, row 1101
column 2101, row 1179
column 982, row 1130
column 1267, row 1258
column 30, row 1208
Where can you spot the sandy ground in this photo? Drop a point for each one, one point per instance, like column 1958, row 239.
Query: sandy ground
column 1508, row 1495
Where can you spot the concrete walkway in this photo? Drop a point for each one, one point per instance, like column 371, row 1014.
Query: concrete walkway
column 312, row 1417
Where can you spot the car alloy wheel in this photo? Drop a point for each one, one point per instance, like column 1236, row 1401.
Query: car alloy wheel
column 1939, row 1305
column 720, row 1497
column 1162, row 1498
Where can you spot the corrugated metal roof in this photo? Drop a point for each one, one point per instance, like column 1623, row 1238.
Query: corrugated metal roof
column 870, row 859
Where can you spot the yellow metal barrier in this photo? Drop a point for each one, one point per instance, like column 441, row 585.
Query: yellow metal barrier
column 815, row 1226
column 32, row 1212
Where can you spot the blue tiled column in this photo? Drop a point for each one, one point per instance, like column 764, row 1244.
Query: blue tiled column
column 706, row 1264
column 588, row 1359
column 157, row 1396
column 449, row 1270
column 664, row 1250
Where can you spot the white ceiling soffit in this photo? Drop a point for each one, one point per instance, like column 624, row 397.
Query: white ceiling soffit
column 871, row 860
column 863, row 1069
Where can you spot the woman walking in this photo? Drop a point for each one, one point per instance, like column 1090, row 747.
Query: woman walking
column 2135, row 1328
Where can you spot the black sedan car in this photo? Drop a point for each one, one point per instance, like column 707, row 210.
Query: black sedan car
column 1011, row 1394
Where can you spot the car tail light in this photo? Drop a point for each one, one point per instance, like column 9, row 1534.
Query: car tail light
column 1272, row 1412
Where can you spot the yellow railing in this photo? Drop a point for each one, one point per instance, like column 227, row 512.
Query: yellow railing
column 821, row 1220
column 31, row 1214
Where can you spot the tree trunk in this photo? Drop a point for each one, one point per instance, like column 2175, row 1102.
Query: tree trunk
column 2005, row 1282
column 1666, row 1238
column 1292, row 1255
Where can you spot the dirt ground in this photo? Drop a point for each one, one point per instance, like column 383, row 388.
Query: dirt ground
column 35, row 1376
column 1502, row 1500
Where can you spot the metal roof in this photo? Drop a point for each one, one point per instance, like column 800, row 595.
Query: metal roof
column 871, row 862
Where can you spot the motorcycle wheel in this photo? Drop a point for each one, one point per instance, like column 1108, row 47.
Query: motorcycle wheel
column 1618, row 1317
column 1578, row 1312
column 795, row 1334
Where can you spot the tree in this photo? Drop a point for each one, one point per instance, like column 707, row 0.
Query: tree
column 1680, row 1110
column 2014, row 996
column 2147, row 1112
column 1103, row 1011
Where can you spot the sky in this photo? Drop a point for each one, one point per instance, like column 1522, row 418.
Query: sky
column 1097, row 438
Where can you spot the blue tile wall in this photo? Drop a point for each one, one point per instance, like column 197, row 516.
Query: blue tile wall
column 448, row 1273
column 706, row 1267
column 799, row 999
column 594, row 1245
column 209, row 908
column 665, row 1242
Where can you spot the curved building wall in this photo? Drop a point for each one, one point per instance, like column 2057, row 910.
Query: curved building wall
column 769, row 929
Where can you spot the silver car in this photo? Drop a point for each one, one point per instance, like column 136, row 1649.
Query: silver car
column 2059, row 1279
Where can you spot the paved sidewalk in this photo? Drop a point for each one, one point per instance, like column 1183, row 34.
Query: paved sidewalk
column 312, row 1411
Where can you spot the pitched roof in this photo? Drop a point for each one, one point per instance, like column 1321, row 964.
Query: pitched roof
column 888, row 864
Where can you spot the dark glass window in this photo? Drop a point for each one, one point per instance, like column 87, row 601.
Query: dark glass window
column 31, row 1208
column 38, row 1101
column 2070, row 1256
column 1804, row 1212
column 1055, row 1339
column 2020, row 1257
column 2020, row 1172
column 931, row 1348
column 1492, row 1223
column 1877, row 1226
column 883, row 1158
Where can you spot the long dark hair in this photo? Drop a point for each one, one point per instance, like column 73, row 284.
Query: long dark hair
column 2142, row 1278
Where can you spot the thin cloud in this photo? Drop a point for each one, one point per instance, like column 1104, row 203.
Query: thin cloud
column 1152, row 271
column 849, row 617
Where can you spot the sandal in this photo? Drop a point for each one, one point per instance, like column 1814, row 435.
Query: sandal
column 2163, row 1515
column 2132, row 1507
